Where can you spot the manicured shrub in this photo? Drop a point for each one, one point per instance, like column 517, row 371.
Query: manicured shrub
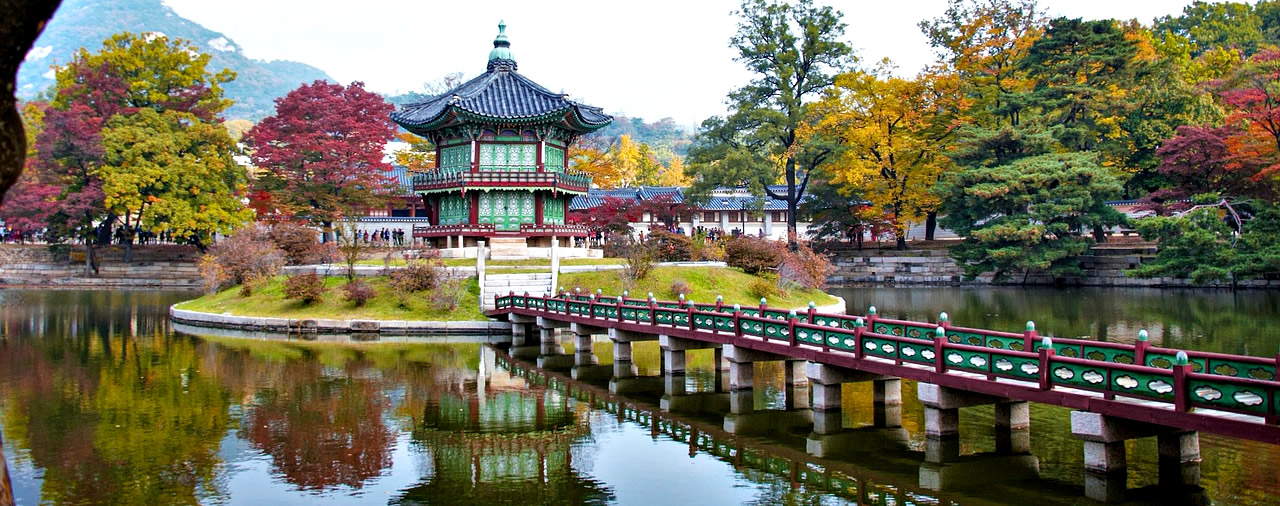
column 678, row 287
column 300, row 244
column 358, row 292
column 753, row 255
column 763, row 288
column 805, row 267
column 639, row 256
column 246, row 257
column 308, row 288
column 672, row 247
column 447, row 295
column 418, row 276
column 212, row 275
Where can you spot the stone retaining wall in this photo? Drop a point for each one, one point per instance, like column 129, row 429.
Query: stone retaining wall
column 936, row 267
column 328, row 326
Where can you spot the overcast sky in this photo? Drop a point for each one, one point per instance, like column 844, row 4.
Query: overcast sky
column 649, row 59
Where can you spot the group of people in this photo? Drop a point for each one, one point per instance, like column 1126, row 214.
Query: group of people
column 141, row 236
column 384, row 237
column 9, row 235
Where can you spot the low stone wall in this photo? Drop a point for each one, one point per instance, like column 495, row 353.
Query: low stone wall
column 154, row 267
column 328, row 326
column 936, row 267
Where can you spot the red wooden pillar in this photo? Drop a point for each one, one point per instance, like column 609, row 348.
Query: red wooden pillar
column 537, row 197
column 474, row 217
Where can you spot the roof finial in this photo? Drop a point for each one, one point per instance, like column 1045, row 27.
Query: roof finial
column 500, row 57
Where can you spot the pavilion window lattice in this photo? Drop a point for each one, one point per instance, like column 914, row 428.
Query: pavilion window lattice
column 455, row 159
column 508, row 157
column 454, row 210
column 552, row 211
column 554, row 160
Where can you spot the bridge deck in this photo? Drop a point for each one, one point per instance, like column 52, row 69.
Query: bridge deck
column 1232, row 395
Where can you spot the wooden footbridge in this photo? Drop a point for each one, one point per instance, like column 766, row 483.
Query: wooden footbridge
column 1118, row 391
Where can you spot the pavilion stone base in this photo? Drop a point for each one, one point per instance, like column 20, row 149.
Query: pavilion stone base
column 533, row 252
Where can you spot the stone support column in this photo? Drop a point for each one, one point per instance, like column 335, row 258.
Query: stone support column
column 621, row 352
column 672, row 361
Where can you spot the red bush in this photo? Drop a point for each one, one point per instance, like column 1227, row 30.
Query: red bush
column 358, row 292
column 753, row 254
column 308, row 288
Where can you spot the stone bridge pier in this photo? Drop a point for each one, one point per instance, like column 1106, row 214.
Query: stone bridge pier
column 1104, row 453
column 623, row 367
column 825, row 382
column 942, row 421
column 742, row 417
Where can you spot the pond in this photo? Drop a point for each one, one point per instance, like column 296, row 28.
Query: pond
column 102, row 401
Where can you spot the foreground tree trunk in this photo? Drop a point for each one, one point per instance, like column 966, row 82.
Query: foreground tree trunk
column 19, row 26
column 930, row 224
column 6, row 490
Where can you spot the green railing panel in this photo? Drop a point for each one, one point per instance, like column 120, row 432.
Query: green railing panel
column 917, row 352
column 1250, row 398
column 1226, row 367
column 753, row 328
column 1028, row 368
column 1154, row 386
column 888, row 329
column 1088, row 376
column 681, row 319
column 703, row 321
column 968, row 360
column 879, row 347
column 828, row 321
column 969, row 338
column 724, row 323
column 1166, row 361
column 663, row 315
column 635, row 303
column 1108, row 354
column 811, row 336
column 776, row 330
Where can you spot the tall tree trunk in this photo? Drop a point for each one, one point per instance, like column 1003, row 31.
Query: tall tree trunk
column 902, row 242
column 90, row 259
column 6, row 489
column 1099, row 234
column 930, row 225
column 326, row 235
column 19, row 26
column 128, row 244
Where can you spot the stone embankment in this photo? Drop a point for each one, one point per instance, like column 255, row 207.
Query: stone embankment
column 153, row 267
column 1104, row 266
column 331, row 326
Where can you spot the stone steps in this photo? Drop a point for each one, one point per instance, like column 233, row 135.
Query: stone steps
column 534, row 283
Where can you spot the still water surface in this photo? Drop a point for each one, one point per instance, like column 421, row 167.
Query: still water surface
column 101, row 401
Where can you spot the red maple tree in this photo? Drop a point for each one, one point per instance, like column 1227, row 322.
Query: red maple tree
column 322, row 152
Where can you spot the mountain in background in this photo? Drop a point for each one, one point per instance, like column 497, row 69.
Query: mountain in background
column 86, row 23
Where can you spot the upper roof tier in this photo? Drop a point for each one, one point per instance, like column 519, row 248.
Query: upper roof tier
column 500, row 97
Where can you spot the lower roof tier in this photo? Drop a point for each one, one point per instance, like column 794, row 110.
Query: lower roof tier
column 441, row 182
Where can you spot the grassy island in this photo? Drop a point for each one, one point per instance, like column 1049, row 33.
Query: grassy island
column 268, row 301
column 704, row 284
column 700, row 284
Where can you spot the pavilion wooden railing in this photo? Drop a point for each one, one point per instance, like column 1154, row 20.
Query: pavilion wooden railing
column 1183, row 379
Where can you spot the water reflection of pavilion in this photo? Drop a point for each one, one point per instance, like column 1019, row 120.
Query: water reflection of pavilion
column 500, row 439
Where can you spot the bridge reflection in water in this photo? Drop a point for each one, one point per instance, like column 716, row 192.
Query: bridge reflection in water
column 1171, row 395
column 774, row 430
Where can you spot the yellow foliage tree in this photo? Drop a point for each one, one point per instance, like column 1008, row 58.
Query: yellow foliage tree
column 674, row 174
column 419, row 156
column 889, row 129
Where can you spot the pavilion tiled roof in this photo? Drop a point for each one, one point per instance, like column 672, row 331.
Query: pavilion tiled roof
column 501, row 95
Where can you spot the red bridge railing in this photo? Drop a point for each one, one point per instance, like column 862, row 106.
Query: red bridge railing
column 1178, row 381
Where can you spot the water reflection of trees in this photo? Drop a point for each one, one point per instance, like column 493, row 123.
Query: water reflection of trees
column 109, row 406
